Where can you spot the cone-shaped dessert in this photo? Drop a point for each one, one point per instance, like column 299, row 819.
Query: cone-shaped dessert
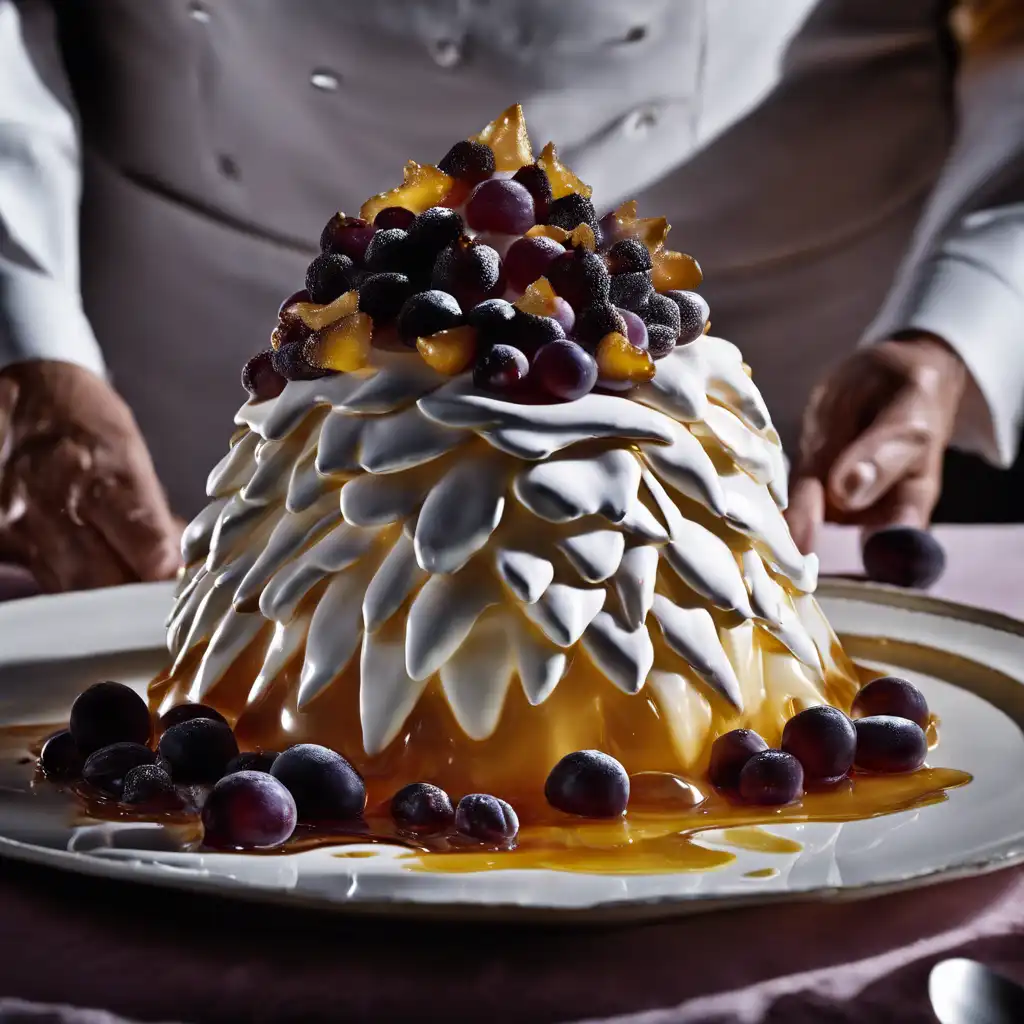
column 498, row 496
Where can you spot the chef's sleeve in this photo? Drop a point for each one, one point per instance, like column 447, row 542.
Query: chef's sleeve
column 41, row 314
column 963, row 279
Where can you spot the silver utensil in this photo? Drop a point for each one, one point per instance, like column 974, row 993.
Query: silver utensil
column 966, row 992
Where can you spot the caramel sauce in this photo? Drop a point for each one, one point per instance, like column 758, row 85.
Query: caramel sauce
column 762, row 873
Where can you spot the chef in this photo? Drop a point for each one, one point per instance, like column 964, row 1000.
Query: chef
column 850, row 174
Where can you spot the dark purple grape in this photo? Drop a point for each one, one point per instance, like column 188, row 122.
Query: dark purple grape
column 661, row 341
column 252, row 761
column 596, row 321
column 608, row 229
column 433, row 229
column 487, row 818
column 580, row 277
column 427, row 313
column 186, row 712
column 588, row 783
column 535, row 180
column 528, row 259
column 500, row 205
column 468, row 161
column 564, row 315
column 636, row 329
column 661, row 310
column 109, row 713
column 891, row 695
column 904, row 557
column 394, row 217
column 492, row 319
column 501, row 368
column 572, row 210
column 348, row 236
column 693, row 314
column 249, row 811
column 771, row 778
column 564, row 370
column 105, row 769
column 889, row 744
column 422, row 808
column 290, row 362
column 60, row 758
column 628, row 256
column 530, row 332
column 260, row 378
column 198, row 750
column 325, row 786
column 471, row 271
column 729, row 753
column 381, row 296
column 329, row 276
column 631, row 291
column 389, row 250
column 150, row 786
column 823, row 740
column 299, row 296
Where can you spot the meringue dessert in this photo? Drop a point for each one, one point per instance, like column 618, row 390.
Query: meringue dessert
column 498, row 496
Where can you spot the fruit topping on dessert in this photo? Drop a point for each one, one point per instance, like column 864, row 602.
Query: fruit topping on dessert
column 891, row 695
column 422, row 808
column 588, row 783
column 487, row 223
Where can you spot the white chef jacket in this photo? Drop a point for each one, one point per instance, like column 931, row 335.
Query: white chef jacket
column 962, row 278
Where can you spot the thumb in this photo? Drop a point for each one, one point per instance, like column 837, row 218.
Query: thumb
column 879, row 457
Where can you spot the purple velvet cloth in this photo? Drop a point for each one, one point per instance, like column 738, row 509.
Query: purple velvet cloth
column 155, row 955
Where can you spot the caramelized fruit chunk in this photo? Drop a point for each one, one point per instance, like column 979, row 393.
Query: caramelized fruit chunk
column 344, row 346
column 315, row 317
column 617, row 360
column 538, row 298
column 348, row 236
column 729, row 753
column 260, row 378
column 198, row 750
column 675, row 270
column 652, row 231
column 507, row 138
column 588, row 783
column 422, row 187
column 903, row 556
column 325, row 786
column 893, row 696
column 60, row 758
column 300, row 296
column 186, row 712
column 536, row 182
column 106, row 768
column 484, row 817
column 328, row 276
column 108, row 713
column 889, row 744
column 693, row 314
column 422, row 809
column 449, row 352
column 562, row 180
column 427, row 313
column 619, row 223
column 823, row 740
column 248, row 810
column 771, row 778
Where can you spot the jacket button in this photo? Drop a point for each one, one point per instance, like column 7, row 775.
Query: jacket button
column 325, row 81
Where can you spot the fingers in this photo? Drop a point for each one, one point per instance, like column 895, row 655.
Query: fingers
column 880, row 457
column 806, row 511
column 131, row 515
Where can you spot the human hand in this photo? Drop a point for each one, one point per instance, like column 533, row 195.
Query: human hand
column 874, row 435
column 80, row 503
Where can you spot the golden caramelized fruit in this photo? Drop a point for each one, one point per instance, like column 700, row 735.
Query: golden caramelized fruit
column 563, row 181
column 507, row 137
column 539, row 299
column 675, row 270
column 618, row 360
column 449, row 352
column 316, row 317
column 343, row 346
column 423, row 186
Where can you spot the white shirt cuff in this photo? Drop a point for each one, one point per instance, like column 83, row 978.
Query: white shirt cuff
column 40, row 319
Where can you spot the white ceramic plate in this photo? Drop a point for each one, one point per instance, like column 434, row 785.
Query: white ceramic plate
column 969, row 663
